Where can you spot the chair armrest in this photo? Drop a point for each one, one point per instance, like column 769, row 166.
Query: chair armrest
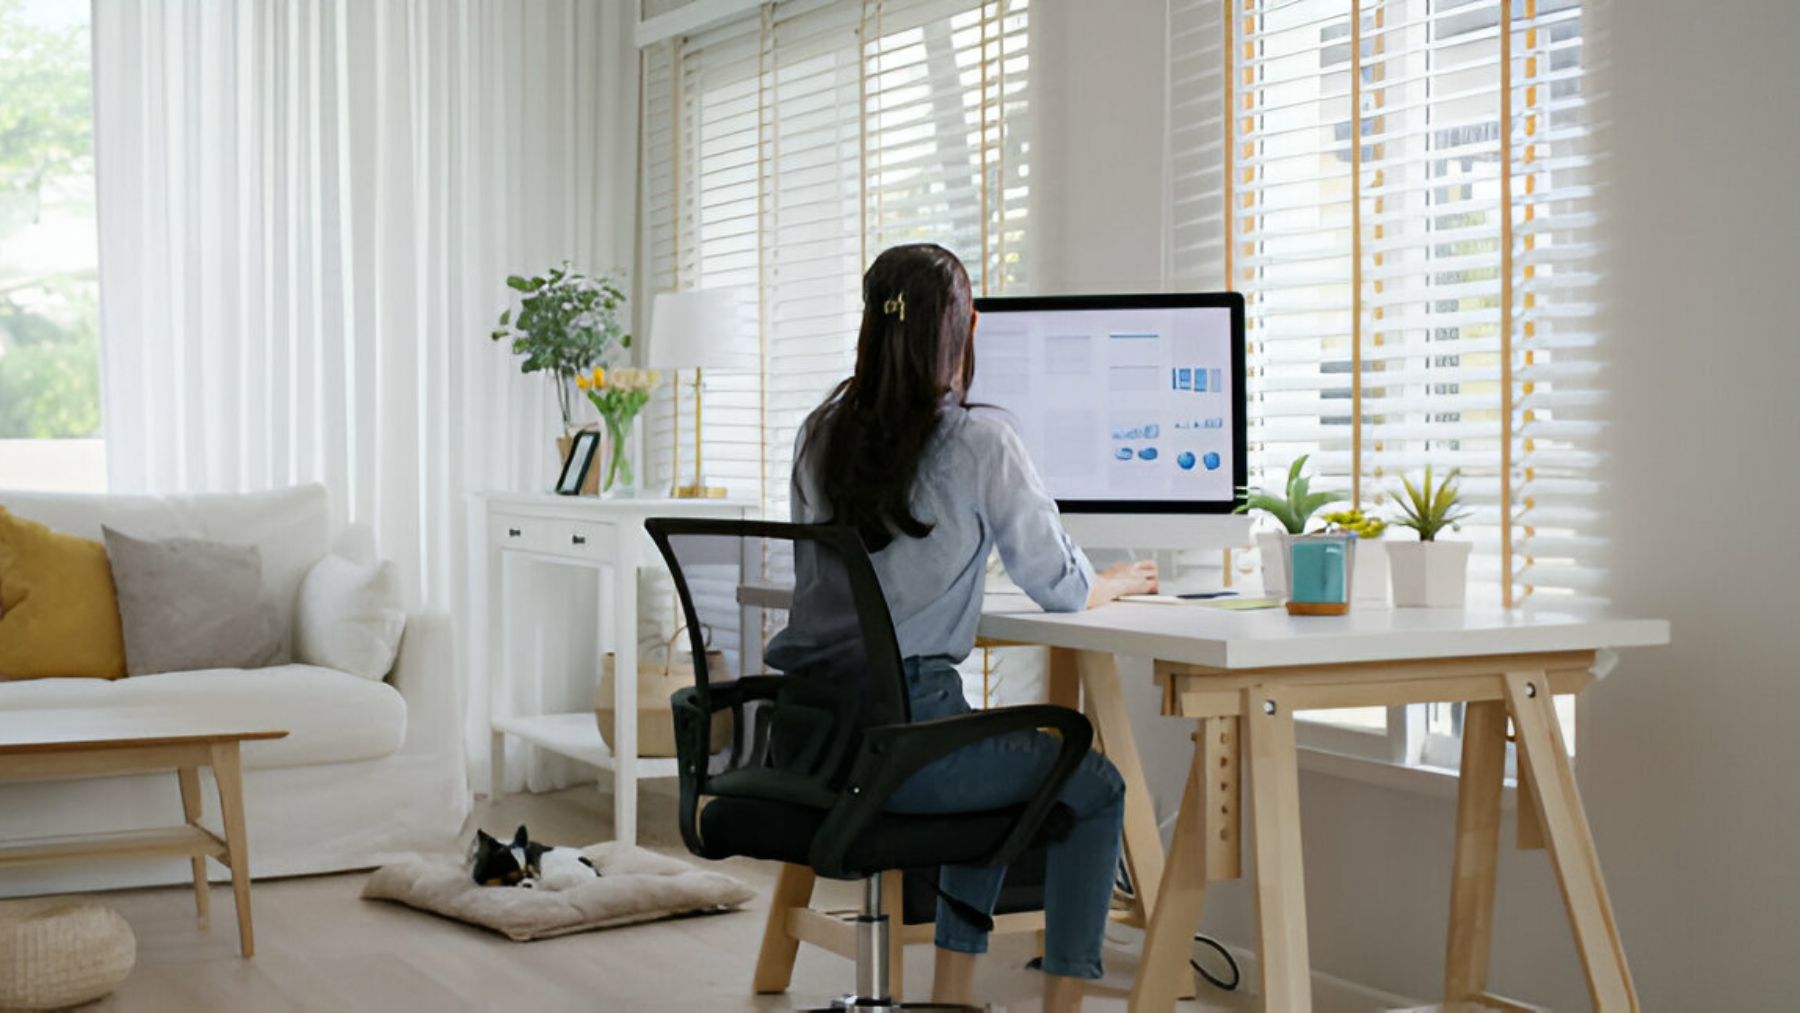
column 891, row 754
column 694, row 740
column 425, row 675
column 694, row 723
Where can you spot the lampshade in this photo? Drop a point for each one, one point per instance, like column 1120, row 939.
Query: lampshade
column 701, row 328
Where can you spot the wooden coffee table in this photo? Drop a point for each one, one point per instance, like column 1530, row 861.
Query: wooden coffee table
column 104, row 742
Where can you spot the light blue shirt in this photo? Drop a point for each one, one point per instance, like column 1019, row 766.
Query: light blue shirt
column 979, row 491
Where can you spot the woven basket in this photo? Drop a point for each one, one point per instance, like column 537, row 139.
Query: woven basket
column 62, row 954
column 657, row 682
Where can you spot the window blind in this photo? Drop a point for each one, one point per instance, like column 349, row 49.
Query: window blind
column 947, row 98
column 1409, row 218
column 783, row 151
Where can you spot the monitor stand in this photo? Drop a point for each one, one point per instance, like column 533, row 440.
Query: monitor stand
column 1158, row 532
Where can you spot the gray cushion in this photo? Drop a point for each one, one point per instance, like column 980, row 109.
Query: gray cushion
column 187, row 604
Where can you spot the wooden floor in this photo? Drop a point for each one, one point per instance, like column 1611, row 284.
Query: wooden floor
column 321, row 947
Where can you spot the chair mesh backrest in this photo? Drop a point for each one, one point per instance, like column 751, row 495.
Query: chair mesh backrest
column 795, row 603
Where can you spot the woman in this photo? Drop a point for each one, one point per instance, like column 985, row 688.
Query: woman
column 934, row 485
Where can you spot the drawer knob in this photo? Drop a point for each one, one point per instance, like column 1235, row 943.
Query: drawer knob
column 513, row 532
column 578, row 539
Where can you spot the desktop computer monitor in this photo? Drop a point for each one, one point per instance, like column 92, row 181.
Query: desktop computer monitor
column 1127, row 404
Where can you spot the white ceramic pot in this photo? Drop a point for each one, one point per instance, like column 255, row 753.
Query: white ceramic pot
column 1429, row 574
column 1276, row 563
column 1371, row 580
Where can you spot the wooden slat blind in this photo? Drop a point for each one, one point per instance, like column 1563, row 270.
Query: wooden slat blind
column 784, row 150
column 1404, row 197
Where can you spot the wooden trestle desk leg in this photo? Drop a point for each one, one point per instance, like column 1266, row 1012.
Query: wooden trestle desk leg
column 1206, row 847
column 189, row 779
column 775, row 962
column 1570, row 842
column 1530, row 835
column 1477, row 849
column 1112, row 730
column 1065, row 680
column 1280, row 874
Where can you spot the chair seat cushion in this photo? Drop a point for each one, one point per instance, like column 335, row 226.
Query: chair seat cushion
column 783, row 832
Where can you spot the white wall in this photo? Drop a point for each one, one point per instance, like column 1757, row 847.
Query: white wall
column 53, row 465
column 1692, row 762
column 1689, row 758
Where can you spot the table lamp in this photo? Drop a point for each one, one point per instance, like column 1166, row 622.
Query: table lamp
column 699, row 329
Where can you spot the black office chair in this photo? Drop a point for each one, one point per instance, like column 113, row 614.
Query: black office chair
column 791, row 751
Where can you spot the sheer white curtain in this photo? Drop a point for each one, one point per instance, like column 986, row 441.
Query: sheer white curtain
column 307, row 210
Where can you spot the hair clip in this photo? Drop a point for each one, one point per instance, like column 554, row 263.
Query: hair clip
column 895, row 306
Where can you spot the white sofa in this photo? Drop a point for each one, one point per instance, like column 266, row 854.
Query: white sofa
column 369, row 769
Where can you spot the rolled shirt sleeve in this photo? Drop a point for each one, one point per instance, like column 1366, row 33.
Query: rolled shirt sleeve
column 1027, row 528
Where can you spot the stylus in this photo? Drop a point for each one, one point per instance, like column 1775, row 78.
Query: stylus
column 1201, row 595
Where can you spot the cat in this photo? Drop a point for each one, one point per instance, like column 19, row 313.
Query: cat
column 527, row 864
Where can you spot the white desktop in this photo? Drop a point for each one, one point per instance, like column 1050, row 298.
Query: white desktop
column 1131, row 407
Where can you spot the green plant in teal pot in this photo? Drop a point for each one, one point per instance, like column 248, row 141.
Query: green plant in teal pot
column 1294, row 507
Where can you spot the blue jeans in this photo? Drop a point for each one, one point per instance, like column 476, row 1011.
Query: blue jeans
column 1005, row 771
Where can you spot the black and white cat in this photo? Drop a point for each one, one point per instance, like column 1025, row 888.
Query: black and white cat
column 526, row 863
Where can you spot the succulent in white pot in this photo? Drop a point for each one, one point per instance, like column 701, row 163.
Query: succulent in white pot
column 1293, row 511
column 1429, row 573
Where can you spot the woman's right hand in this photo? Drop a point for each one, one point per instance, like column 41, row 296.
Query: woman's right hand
column 1115, row 582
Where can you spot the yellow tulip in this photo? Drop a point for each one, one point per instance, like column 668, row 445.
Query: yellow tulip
column 582, row 382
column 599, row 377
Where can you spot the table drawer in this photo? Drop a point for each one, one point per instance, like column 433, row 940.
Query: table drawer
column 580, row 538
column 552, row 536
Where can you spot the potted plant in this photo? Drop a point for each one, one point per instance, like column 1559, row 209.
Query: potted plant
column 564, row 324
column 1428, row 572
column 1293, row 511
column 1371, row 555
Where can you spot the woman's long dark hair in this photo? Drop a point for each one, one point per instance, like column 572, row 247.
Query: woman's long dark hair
column 914, row 348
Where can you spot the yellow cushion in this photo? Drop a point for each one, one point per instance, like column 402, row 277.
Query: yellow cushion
column 59, row 615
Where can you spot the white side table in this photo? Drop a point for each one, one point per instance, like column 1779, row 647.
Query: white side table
column 603, row 535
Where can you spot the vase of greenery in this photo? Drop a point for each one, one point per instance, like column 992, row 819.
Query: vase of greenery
column 1293, row 509
column 618, row 395
column 564, row 323
column 1429, row 573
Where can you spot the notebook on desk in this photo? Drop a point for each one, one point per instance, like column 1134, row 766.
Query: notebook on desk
column 1226, row 600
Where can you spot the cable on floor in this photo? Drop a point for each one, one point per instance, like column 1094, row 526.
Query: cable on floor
column 1122, row 887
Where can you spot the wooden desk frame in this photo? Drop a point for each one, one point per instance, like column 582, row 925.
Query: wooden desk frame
column 1247, row 717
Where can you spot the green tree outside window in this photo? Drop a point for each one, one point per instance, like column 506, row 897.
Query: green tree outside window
column 49, row 346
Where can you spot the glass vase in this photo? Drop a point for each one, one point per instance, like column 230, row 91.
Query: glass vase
column 617, row 478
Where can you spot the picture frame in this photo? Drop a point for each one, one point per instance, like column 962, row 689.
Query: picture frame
column 582, row 450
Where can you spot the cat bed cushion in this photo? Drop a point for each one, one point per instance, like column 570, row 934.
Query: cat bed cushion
column 55, row 954
column 634, row 886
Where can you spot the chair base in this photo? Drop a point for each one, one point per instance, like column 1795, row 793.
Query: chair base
column 852, row 1003
column 872, row 963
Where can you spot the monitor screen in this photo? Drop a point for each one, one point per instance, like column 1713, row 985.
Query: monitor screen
column 1126, row 404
